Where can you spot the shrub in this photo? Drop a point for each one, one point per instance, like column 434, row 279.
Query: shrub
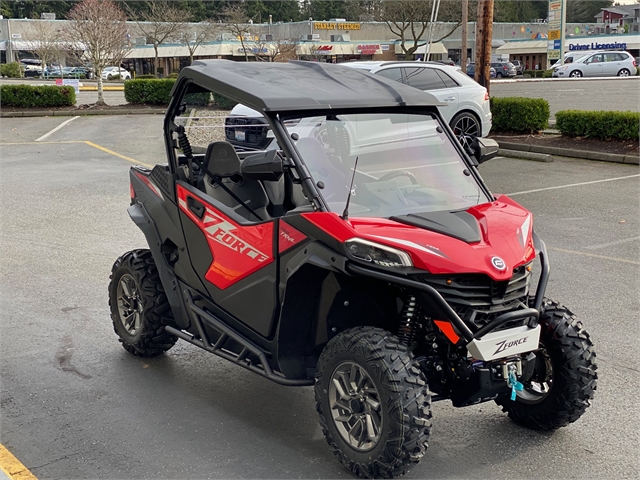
column 598, row 124
column 517, row 114
column 114, row 78
column 28, row 96
column 12, row 70
column 223, row 102
column 153, row 91
column 145, row 76
column 538, row 73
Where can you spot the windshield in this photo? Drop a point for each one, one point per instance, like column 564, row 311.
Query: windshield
column 406, row 164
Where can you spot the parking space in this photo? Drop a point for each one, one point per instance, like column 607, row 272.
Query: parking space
column 76, row 405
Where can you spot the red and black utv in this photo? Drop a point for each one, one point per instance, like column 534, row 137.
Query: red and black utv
column 362, row 254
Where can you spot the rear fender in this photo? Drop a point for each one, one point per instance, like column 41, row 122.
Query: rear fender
column 141, row 218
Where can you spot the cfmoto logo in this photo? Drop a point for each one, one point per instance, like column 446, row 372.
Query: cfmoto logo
column 498, row 263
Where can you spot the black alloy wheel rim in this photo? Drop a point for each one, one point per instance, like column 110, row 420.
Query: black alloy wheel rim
column 538, row 387
column 355, row 405
column 129, row 304
column 465, row 130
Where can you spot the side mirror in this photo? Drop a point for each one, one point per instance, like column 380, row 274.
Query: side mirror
column 484, row 149
column 263, row 166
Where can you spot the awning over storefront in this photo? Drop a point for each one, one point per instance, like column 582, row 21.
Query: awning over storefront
column 599, row 42
column 171, row 51
column 436, row 49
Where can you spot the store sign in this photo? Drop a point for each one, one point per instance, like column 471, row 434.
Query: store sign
column 323, row 49
column 597, row 46
column 335, row 26
column 554, row 33
column 368, row 49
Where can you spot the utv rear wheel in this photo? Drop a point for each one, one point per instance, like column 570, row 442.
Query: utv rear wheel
column 139, row 306
column 373, row 401
column 564, row 380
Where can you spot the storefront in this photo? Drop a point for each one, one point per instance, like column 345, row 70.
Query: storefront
column 533, row 53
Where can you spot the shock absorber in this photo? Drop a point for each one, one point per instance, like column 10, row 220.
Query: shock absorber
column 185, row 146
column 408, row 320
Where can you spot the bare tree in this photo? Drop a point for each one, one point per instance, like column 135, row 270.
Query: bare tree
column 275, row 49
column 237, row 20
column 45, row 40
column 409, row 20
column 194, row 35
column 161, row 23
column 100, row 26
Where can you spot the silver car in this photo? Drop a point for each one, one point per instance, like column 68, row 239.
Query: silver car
column 598, row 64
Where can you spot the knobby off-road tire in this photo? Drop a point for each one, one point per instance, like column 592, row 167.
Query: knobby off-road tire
column 139, row 307
column 384, row 373
column 566, row 370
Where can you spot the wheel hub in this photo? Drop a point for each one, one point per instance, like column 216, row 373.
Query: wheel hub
column 355, row 406
column 129, row 304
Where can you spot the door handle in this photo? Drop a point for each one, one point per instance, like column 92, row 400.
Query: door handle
column 450, row 99
column 195, row 206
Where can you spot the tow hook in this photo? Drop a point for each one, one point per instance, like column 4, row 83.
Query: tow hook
column 510, row 372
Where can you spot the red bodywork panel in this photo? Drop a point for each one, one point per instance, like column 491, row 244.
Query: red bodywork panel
column 288, row 237
column 238, row 251
column 505, row 229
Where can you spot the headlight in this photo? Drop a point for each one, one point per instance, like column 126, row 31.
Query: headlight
column 377, row 254
column 563, row 68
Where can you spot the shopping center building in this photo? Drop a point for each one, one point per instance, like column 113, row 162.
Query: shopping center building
column 325, row 41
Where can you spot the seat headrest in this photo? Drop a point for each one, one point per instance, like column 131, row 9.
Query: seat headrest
column 221, row 159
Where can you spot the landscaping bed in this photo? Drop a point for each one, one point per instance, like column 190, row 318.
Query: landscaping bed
column 619, row 147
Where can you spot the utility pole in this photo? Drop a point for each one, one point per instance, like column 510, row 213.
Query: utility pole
column 465, row 33
column 484, row 36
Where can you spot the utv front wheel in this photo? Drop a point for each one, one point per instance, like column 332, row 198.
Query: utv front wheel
column 374, row 406
column 139, row 306
column 564, row 379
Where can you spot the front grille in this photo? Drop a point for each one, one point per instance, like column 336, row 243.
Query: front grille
column 478, row 293
column 254, row 129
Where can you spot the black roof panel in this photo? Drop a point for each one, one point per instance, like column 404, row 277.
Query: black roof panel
column 301, row 85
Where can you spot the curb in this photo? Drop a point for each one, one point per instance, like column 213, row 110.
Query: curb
column 569, row 152
column 536, row 157
column 73, row 113
column 558, row 79
column 91, row 88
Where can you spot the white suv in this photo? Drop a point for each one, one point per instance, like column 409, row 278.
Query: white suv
column 466, row 102
column 467, row 111
column 109, row 72
column 598, row 64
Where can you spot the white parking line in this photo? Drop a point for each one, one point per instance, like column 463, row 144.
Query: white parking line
column 612, row 244
column 46, row 135
column 573, row 185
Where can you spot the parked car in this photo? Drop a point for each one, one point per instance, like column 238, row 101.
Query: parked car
column 601, row 64
column 110, row 72
column 504, row 69
column 471, row 71
column 467, row 104
column 32, row 67
column 519, row 67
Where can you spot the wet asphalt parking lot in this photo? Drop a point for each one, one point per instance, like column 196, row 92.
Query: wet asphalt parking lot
column 74, row 404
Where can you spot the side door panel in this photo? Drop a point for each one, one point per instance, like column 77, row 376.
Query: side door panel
column 236, row 261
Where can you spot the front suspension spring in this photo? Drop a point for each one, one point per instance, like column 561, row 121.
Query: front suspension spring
column 408, row 321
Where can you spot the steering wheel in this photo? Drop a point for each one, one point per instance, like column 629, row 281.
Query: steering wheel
column 401, row 173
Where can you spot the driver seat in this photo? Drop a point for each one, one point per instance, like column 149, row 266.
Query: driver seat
column 222, row 161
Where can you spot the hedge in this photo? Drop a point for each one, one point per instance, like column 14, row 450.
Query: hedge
column 598, row 124
column 12, row 70
column 28, row 96
column 151, row 91
column 538, row 73
column 517, row 114
column 158, row 92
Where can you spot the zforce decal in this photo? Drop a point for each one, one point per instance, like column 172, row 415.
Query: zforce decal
column 288, row 237
column 237, row 251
